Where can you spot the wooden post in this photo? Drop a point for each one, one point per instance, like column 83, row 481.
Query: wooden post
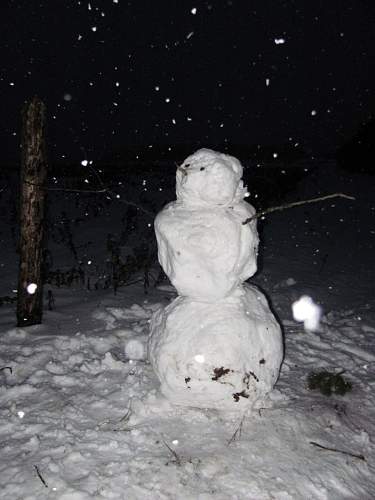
column 32, row 200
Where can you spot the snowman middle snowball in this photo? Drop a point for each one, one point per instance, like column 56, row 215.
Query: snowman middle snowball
column 218, row 345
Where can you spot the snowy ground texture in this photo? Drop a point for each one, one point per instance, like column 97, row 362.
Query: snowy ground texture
column 80, row 412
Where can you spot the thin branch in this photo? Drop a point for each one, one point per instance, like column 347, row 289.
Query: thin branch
column 177, row 458
column 66, row 190
column 132, row 204
column 96, row 175
column 7, row 368
column 40, row 476
column 127, row 415
column 354, row 455
column 104, row 190
column 296, row 204
column 128, row 283
column 90, row 191
column 238, row 432
column 123, row 420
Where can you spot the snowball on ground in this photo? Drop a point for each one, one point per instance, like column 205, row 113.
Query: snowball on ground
column 223, row 355
column 207, row 253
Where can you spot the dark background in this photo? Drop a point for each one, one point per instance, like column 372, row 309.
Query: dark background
column 128, row 79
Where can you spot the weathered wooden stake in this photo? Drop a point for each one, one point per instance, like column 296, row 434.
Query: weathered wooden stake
column 32, row 201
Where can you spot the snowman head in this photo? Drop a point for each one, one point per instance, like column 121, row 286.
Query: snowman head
column 208, row 178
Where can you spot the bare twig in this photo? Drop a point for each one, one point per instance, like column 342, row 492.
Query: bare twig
column 126, row 202
column 116, row 424
column 66, row 190
column 238, row 432
column 176, row 456
column 7, row 368
column 101, row 183
column 103, row 190
column 127, row 415
column 132, row 204
column 40, row 476
column 260, row 411
column 132, row 282
column 354, row 455
column 296, row 204
column 89, row 191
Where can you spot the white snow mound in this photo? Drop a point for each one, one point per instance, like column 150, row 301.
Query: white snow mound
column 224, row 355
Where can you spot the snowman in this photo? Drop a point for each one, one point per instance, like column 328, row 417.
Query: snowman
column 217, row 345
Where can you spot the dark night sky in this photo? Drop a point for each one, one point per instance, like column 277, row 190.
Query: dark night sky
column 120, row 73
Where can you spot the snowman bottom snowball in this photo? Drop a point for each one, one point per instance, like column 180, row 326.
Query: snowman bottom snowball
column 224, row 355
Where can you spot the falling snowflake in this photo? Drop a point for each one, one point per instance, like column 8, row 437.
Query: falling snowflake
column 31, row 288
column 305, row 310
column 199, row 358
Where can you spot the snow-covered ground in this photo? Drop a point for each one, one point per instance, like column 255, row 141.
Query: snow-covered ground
column 80, row 412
